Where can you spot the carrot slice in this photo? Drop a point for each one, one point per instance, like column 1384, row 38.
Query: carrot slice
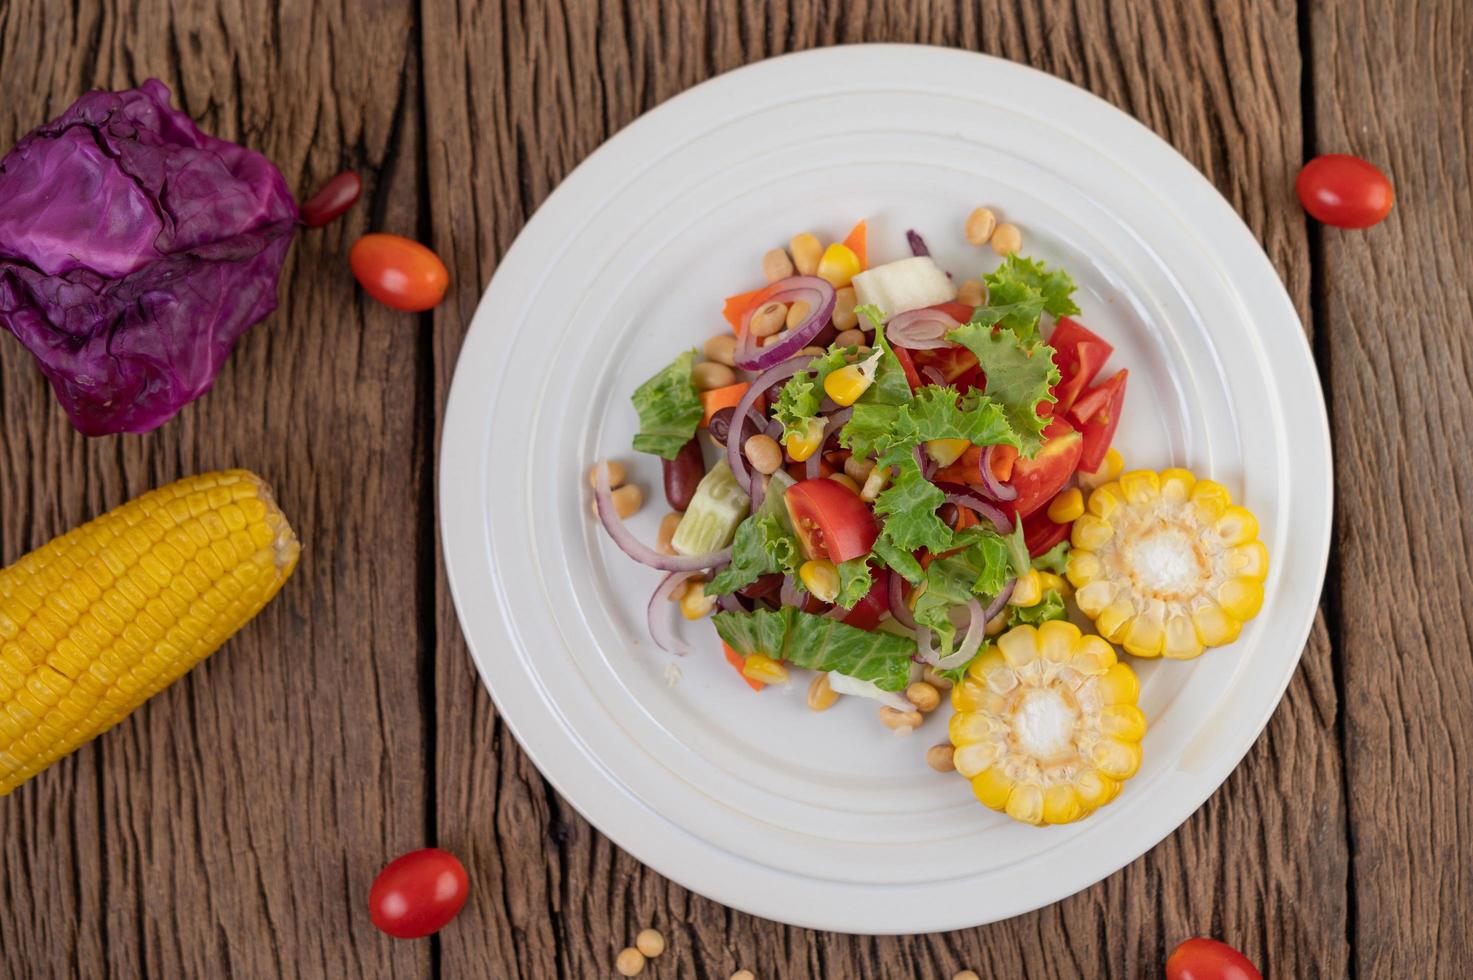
column 739, row 662
column 736, row 307
column 856, row 241
column 1003, row 458
column 715, row 399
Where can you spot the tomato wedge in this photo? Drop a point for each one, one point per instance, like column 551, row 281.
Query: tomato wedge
column 1040, row 533
column 1079, row 355
column 830, row 520
column 912, row 377
column 1039, row 478
column 1098, row 414
column 953, row 363
column 868, row 611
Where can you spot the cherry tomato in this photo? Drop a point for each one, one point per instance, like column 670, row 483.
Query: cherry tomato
column 1039, row 478
column 418, row 894
column 1040, row 533
column 399, row 272
column 332, row 199
column 867, row 612
column 1098, row 414
column 1208, row 959
column 1079, row 354
column 953, row 362
column 1344, row 191
column 830, row 520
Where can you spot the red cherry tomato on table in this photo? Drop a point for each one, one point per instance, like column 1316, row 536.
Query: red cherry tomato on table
column 399, row 272
column 830, row 520
column 1208, row 959
column 1344, row 191
column 418, row 894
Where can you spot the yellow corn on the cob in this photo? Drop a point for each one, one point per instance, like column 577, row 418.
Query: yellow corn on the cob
column 1046, row 725
column 1166, row 565
column 102, row 618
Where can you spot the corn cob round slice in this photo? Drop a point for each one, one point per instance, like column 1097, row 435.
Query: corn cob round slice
column 1166, row 565
column 100, row 619
column 1046, row 725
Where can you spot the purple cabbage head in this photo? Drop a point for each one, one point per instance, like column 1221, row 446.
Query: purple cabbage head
column 134, row 252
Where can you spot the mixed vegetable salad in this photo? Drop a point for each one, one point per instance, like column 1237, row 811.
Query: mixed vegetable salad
column 881, row 467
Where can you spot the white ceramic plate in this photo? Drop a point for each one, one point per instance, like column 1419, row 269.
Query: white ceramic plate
column 829, row 821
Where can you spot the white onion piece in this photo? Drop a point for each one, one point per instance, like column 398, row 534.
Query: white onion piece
column 658, row 617
column 637, row 549
column 920, row 330
column 853, row 686
column 971, row 643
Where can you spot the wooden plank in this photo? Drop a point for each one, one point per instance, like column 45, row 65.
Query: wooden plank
column 232, row 827
column 516, row 94
column 1395, row 303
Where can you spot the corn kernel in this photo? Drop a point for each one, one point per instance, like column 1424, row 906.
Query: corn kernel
column 1093, row 597
column 1062, row 804
column 1019, row 646
column 1144, row 637
column 1049, row 581
column 1182, row 642
column 800, row 446
column 1140, row 486
column 839, row 265
column 1091, row 532
column 1211, row 500
column 1116, row 758
column 1083, row 568
column 821, row 577
column 1176, row 485
column 1108, row 471
column 1115, row 619
column 762, row 668
column 1025, row 804
column 993, row 787
column 695, row 604
column 1105, row 500
column 1028, row 591
column 1214, row 626
column 1067, row 506
column 1237, row 526
column 1118, row 685
column 1249, row 560
column 1241, row 598
column 946, row 451
column 844, row 385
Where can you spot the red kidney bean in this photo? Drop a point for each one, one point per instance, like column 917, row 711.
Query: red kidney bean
column 682, row 474
column 335, row 197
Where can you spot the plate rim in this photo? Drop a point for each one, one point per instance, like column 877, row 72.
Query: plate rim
column 456, row 425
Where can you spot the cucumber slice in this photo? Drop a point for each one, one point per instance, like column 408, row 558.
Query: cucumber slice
column 904, row 285
column 713, row 515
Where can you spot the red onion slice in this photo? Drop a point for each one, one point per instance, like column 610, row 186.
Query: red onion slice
column 660, row 624
column 835, row 422
column 996, row 489
column 920, row 329
column 917, row 243
column 898, row 609
column 967, row 497
column 816, row 292
column 924, row 461
column 1001, row 600
column 762, row 382
column 637, row 549
column 933, row 375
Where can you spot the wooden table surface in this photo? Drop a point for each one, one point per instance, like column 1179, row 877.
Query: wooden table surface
column 231, row 828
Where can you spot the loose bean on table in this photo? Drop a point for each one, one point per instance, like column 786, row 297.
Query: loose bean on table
column 1007, row 239
column 617, row 474
column 650, row 943
column 850, row 338
column 721, row 349
column 763, row 453
column 844, row 316
column 709, row 374
column 683, row 474
column 630, row 962
column 981, row 225
column 776, row 265
column 806, row 250
column 767, row 320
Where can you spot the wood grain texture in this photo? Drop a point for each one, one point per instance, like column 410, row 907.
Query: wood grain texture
column 232, row 826
column 1395, row 303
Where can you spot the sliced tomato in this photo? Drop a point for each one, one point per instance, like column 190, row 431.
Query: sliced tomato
column 952, row 362
column 1098, row 413
column 739, row 662
column 960, row 312
column 908, row 365
column 1039, row 478
column 868, row 611
column 1040, row 533
column 830, row 520
column 1079, row 355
